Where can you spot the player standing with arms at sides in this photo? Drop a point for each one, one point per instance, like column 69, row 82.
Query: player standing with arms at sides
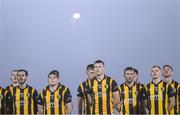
column 23, row 97
column 55, row 98
column 131, row 94
column 160, row 94
column 83, row 103
column 103, row 93
column 168, row 78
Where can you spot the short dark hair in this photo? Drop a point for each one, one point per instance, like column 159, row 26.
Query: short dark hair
column 15, row 70
column 54, row 72
column 99, row 61
column 168, row 66
column 136, row 71
column 156, row 66
column 90, row 67
column 128, row 68
column 23, row 70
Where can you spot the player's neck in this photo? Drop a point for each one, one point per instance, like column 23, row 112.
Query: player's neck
column 156, row 81
column 100, row 77
column 168, row 79
column 15, row 84
column 53, row 87
column 89, row 78
column 130, row 84
column 22, row 86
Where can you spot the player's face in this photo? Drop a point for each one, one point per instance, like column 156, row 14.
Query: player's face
column 167, row 71
column 22, row 77
column 99, row 69
column 14, row 77
column 155, row 72
column 53, row 79
column 90, row 74
column 129, row 76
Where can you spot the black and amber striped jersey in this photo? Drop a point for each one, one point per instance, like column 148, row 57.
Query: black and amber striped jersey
column 176, row 87
column 130, row 98
column 55, row 102
column 2, row 100
column 158, row 95
column 102, row 95
column 24, row 101
column 81, row 92
column 10, row 88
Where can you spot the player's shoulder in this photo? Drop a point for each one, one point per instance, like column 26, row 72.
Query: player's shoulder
column 31, row 88
column 122, row 84
column 8, row 87
column 176, row 83
column 109, row 77
column 84, row 82
column 3, row 90
column 148, row 84
column 64, row 87
column 141, row 84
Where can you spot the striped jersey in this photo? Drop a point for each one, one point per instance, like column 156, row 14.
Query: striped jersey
column 55, row 102
column 83, row 94
column 131, row 98
column 158, row 95
column 102, row 95
column 24, row 101
column 176, row 86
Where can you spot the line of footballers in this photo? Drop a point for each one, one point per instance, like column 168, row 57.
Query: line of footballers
column 99, row 94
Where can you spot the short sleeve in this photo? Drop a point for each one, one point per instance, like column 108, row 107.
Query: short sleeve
column 143, row 93
column 67, row 96
column 40, row 99
column 170, row 92
column 114, row 86
column 35, row 97
column 79, row 92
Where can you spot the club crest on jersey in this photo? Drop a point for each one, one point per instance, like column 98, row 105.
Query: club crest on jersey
column 106, row 86
column 162, row 89
column 136, row 92
column 28, row 95
column 59, row 97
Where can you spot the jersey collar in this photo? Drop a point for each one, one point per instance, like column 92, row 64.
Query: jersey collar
column 102, row 79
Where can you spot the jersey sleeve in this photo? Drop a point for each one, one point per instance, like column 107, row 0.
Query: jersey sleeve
column 88, row 89
column 8, row 102
column 114, row 86
column 2, row 102
column 143, row 93
column 67, row 96
column 79, row 92
column 40, row 99
column 35, row 97
column 170, row 91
